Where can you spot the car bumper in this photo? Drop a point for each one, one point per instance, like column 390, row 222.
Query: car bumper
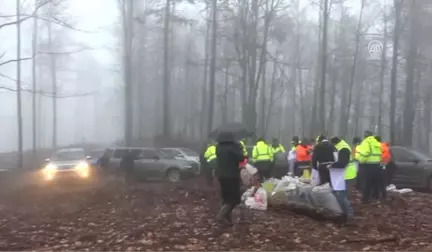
column 65, row 175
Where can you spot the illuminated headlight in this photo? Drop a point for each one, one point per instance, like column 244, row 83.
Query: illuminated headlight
column 49, row 171
column 82, row 169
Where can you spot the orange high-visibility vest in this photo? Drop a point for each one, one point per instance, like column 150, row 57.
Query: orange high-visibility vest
column 386, row 154
column 303, row 154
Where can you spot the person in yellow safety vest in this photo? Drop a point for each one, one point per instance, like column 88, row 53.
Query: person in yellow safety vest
column 262, row 156
column 210, row 163
column 339, row 170
column 277, row 147
column 356, row 143
column 245, row 152
column 369, row 154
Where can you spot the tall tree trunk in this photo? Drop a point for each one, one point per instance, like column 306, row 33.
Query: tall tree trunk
column 313, row 121
column 322, row 110
column 393, row 82
column 344, row 130
column 203, row 118
column 18, row 87
column 34, row 78
column 53, row 71
column 409, row 107
column 382, row 75
column 212, row 67
column 166, row 72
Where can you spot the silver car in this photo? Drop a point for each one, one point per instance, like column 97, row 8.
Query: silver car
column 184, row 154
column 69, row 162
column 151, row 163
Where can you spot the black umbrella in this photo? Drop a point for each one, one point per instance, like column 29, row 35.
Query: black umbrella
column 234, row 130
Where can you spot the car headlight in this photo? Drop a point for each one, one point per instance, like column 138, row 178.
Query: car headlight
column 187, row 166
column 49, row 171
column 50, row 168
column 83, row 169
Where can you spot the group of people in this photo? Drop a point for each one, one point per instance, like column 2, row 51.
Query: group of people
column 365, row 165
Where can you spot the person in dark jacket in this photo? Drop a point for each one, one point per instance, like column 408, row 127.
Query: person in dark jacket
column 229, row 153
column 128, row 167
column 103, row 162
column 322, row 156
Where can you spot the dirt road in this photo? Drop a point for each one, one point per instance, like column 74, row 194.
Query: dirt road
column 159, row 217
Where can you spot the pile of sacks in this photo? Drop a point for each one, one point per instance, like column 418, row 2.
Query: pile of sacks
column 294, row 193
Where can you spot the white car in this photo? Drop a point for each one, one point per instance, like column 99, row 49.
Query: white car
column 68, row 162
column 184, row 154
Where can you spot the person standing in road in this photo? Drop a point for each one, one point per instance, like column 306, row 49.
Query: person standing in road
column 229, row 153
column 369, row 154
column 262, row 156
column 210, row 163
column 338, row 176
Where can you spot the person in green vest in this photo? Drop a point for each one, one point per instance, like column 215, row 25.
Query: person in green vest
column 351, row 169
column 341, row 170
column 277, row 147
column 210, row 162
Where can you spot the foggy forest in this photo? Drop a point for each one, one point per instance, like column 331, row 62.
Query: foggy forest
column 179, row 68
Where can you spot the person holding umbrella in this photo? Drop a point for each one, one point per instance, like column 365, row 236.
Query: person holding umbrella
column 229, row 153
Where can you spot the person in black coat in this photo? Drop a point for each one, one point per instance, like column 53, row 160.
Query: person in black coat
column 322, row 156
column 127, row 165
column 229, row 153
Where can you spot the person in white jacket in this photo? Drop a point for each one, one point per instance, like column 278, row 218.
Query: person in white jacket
column 292, row 155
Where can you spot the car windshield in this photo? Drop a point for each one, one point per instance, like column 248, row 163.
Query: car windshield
column 189, row 152
column 68, row 155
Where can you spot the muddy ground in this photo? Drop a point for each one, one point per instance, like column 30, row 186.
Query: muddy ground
column 105, row 215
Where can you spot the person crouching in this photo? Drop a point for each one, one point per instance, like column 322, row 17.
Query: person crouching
column 229, row 153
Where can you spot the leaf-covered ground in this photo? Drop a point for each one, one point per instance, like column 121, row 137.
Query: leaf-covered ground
column 162, row 217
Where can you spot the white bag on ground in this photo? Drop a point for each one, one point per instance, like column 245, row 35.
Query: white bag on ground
column 259, row 201
column 324, row 198
column 247, row 174
column 304, row 194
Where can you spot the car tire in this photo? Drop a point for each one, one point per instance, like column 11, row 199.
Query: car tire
column 173, row 175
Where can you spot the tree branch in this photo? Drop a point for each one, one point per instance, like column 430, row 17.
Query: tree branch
column 25, row 18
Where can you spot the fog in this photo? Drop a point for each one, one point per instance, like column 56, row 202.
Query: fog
column 283, row 67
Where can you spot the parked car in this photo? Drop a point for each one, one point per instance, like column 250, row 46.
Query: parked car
column 414, row 168
column 67, row 163
column 184, row 154
column 152, row 163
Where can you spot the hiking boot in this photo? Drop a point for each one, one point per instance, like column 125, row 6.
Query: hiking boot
column 224, row 215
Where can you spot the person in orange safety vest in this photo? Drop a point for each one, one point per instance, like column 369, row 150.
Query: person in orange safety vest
column 303, row 159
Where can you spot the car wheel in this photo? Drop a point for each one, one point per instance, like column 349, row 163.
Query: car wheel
column 173, row 175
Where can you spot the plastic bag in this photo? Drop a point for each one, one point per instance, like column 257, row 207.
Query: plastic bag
column 304, row 194
column 392, row 188
column 324, row 198
column 247, row 194
column 259, row 201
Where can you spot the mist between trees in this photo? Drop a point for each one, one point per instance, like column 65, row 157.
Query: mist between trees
column 283, row 67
